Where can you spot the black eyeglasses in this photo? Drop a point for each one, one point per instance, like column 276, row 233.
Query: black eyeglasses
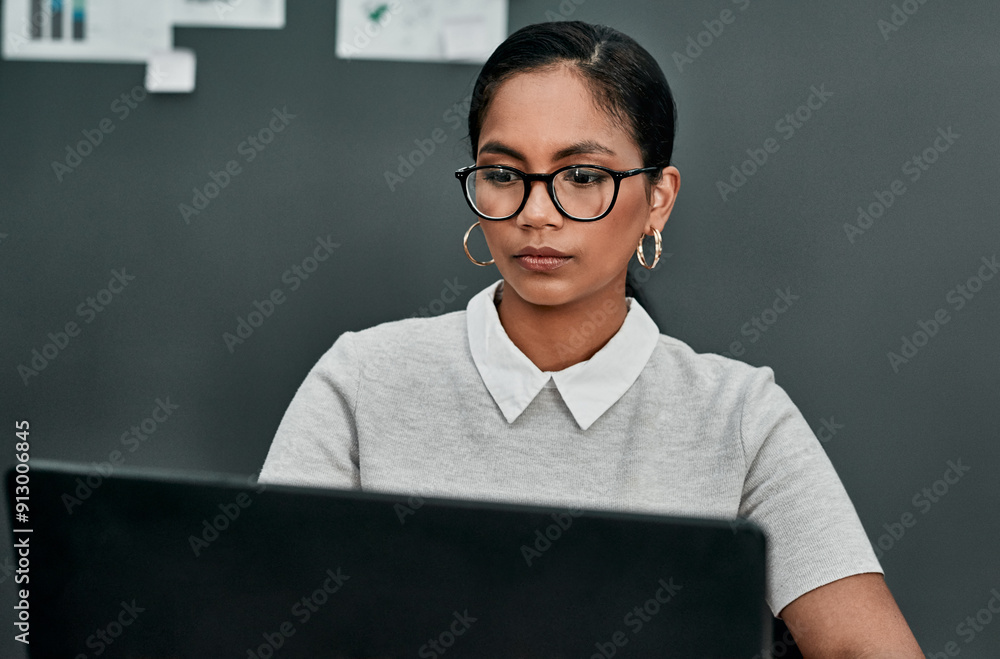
column 581, row 192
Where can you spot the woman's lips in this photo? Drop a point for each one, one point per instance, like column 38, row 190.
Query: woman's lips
column 539, row 263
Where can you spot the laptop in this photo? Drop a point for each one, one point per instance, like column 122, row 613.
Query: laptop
column 157, row 564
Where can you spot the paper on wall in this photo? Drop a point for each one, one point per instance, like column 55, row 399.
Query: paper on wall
column 420, row 30
column 86, row 30
column 171, row 71
column 229, row 13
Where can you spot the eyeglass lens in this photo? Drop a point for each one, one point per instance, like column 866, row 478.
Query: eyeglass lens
column 583, row 192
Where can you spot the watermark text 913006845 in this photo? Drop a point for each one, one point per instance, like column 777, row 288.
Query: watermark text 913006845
column 21, row 529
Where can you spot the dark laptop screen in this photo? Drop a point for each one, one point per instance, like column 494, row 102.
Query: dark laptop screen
column 159, row 564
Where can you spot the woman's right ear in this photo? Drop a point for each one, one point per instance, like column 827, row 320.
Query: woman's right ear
column 663, row 195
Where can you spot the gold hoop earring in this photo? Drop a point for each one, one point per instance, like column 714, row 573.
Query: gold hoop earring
column 656, row 257
column 465, row 242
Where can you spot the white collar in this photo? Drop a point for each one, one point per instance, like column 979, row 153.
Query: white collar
column 589, row 388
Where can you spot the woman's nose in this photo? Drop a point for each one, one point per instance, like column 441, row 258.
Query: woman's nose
column 540, row 209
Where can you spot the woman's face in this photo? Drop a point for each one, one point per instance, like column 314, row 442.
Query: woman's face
column 539, row 122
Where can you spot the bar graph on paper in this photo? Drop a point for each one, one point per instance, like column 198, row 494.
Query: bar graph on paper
column 86, row 30
column 53, row 21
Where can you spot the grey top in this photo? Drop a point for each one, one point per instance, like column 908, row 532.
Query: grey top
column 404, row 407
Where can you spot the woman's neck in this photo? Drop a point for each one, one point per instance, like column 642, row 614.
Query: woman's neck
column 554, row 338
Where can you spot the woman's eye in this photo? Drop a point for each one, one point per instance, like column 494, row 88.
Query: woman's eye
column 498, row 176
column 584, row 176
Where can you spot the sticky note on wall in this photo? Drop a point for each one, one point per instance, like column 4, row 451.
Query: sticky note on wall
column 171, row 71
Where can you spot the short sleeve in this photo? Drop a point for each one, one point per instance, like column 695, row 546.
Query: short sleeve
column 793, row 492
column 317, row 443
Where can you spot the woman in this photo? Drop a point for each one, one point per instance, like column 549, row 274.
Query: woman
column 554, row 386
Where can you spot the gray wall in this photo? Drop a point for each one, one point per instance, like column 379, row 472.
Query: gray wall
column 898, row 429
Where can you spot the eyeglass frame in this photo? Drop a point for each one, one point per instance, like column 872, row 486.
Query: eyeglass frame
column 463, row 174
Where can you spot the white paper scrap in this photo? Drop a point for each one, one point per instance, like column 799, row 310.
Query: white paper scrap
column 466, row 39
column 86, row 30
column 171, row 71
column 229, row 13
column 420, row 30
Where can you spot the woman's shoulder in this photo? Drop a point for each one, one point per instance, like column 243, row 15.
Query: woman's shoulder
column 704, row 371
column 407, row 338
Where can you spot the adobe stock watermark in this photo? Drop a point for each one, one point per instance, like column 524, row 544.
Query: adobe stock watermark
column 132, row 439
column 779, row 647
column 302, row 610
column 787, row 127
column 414, row 502
column 637, row 618
column 426, row 146
column 737, row 523
column 828, row 429
column 755, row 328
column 566, row 9
column 31, row 28
column 249, row 149
column 449, row 294
column 293, row 278
column 714, row 28
column 923, row 501
column 122, row 107
column 971, row 627
column 440, row 644
column 378, row 18
column 224, row 7
column 958, row 296
column 229, row 512
column 913, row 169
column 579, row 335
column 640, row 275
column 898, row 17
column 544, row 539
column 59, row 341
column 104, row 637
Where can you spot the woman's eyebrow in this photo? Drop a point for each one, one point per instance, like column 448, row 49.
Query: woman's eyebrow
column 584, row 147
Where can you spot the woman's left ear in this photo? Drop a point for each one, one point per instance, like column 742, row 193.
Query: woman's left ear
column 662, row 196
